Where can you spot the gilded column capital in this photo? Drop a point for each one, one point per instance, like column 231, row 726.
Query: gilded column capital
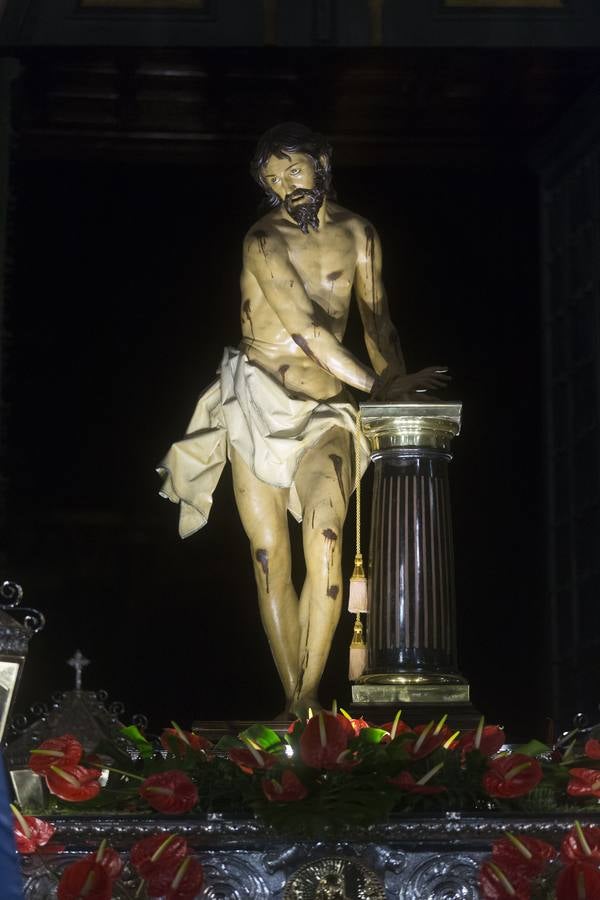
column 390, row 426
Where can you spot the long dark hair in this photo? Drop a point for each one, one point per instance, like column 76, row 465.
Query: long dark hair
column 292, row 137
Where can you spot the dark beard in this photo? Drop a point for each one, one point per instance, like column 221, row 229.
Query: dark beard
column 306, row 212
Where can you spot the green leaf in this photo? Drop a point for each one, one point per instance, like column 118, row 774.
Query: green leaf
column 133, row 734
column 532, row 748
column 227, row 742
column 265, row 738
column 371, row 735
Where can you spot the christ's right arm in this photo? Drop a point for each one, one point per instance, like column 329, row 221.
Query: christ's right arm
column 266, row 259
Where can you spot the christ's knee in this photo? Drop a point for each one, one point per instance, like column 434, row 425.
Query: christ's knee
column 323, row 550
column 272, row 564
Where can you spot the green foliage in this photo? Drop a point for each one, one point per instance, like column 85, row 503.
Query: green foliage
column 133, row 734
column 264, row 738
column 359, row 790
column 533, row 748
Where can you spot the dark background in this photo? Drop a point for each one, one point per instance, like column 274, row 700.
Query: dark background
column 123, row 292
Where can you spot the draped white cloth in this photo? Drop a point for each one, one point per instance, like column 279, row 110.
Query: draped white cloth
column 250, row 410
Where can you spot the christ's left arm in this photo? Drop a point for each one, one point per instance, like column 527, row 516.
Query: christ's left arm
column 381, row 337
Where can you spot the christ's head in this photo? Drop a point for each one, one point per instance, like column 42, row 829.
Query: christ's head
column 293, row 166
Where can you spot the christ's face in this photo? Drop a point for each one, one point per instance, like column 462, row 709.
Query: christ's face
column 297, row 181
column 289, row 175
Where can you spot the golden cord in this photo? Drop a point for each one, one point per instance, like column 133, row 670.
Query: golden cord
column 357, row 478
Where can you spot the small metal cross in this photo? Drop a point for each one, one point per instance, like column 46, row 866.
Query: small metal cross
column 78, row 661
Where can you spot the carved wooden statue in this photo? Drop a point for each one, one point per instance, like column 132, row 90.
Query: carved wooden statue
column 281, row 411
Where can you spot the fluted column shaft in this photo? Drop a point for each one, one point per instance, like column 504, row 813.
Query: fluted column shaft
column 411, row 570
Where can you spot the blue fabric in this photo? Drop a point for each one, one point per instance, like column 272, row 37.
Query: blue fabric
column 11, row 883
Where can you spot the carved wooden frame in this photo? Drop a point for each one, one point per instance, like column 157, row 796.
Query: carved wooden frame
column 512, row 5
column 202, row 6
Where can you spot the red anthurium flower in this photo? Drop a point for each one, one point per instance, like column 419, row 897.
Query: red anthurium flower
column 512, row 776
column 187, row 882
column 394, row 729
column 491, row 739
column 181, row 883
column 249, row 759
column 496, row 884
column 156, row 853
column 406, row 782
column 74, row 783
column 109, row 859
column 295, row 724
column 170, row 792
column 180, row 742
column 62, row 751
column 522, row 854
column 584, row 783
column 85, row 880
column 323, row 741
column 429, row 738
column 582, row 844
column 578, row 881
column 51, row 847
column 359, row 724
column 592, row 748
column 288, row 789
column 30, row 833
column 400, row 727
column 354, row 726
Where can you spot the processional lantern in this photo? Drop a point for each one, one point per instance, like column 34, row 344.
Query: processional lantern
column 14, row 644
column 412, row 660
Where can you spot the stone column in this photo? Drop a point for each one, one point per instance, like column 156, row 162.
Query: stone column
column 411, row 621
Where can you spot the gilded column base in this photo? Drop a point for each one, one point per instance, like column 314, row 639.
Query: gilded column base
column 410, row 693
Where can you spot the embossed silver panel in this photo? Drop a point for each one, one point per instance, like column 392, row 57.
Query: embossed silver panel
column 428, row 858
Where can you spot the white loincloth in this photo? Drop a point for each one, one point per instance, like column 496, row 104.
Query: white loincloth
column 250, row 410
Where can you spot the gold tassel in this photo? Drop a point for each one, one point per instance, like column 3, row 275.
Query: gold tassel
column 358, row 652
column 358, row 593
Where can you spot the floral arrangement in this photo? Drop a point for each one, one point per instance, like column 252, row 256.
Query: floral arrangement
column 330, row 771
column 524, row 868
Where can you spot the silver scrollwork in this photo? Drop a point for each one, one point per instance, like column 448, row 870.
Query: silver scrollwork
column 11, row 594
column 231, row 876
column 116, row 708
column 442, row 878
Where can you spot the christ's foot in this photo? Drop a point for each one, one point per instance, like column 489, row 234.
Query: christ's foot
column 303, row 707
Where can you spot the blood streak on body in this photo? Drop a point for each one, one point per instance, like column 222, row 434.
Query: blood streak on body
column 370, row 253
column 247, row 309
column 337, row 465
column 282, row 370
column 330, row 540
column 261, row 238
column 262, row 558
column 332, row 278
column 333, row 591
column 303, row 344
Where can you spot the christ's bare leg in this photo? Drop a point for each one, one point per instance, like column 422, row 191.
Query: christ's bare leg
column 263, row 511
column 324, row 481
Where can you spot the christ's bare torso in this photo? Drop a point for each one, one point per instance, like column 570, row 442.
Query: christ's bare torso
column 325, row 262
